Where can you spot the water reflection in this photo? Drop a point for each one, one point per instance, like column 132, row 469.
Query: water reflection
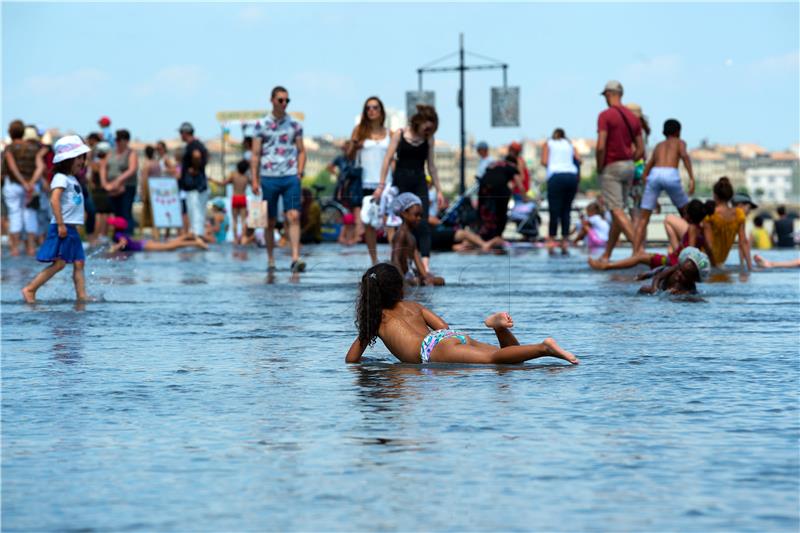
column 68, row 332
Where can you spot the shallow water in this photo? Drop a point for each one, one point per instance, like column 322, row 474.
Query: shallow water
column 194, row 396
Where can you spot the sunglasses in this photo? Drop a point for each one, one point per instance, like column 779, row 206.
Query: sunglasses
column 283, row 100
column 373, row 108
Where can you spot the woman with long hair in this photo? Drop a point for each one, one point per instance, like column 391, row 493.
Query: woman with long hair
column 724, row 225
column 369, row 143
column 414, row 147
column 118, row 172
column 559, row 157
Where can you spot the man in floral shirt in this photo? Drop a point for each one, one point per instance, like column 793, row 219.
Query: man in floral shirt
column 276, row 168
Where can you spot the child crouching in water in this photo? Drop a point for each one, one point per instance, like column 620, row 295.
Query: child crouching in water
column 414, row 334
column 692, row 266
column 405, row 254
column 594, row 229
column 694, row 214
column 63, row 243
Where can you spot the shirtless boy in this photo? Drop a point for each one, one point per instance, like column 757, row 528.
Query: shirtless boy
column 408, row 207
column 240, row 180
column 661, row 174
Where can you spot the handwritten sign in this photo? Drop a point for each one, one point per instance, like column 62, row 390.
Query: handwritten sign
column 165, row 202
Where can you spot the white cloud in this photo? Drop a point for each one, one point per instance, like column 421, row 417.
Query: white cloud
column 175, row 79
column 660, row 68
column 69, row 85
column 785, row 63
column 251, row 15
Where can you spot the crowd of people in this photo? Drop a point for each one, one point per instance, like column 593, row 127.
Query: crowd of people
column 388, row 182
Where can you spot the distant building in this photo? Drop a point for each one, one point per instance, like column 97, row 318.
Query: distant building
column 769, row 184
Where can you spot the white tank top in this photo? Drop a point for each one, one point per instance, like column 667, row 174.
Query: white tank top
column 559, row 157
column 370, row 157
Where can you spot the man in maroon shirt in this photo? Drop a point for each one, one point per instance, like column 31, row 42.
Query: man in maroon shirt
column 619, row 144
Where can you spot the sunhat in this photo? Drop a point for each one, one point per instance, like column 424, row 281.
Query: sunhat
column 219, row 203
column 636, row 109
column 118, row 223
column 405, row 201
column 30, row 134
column 103, row 147
column 697, row 257
column 69, row 147
column 186, row 127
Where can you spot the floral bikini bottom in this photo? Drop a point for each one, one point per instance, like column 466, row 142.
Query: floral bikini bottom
column 435, row 337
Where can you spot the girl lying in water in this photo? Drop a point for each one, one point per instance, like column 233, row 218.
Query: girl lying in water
column 124, row 242
column 414, row 334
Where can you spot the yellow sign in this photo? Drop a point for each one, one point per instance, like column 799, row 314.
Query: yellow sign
column 231, row 116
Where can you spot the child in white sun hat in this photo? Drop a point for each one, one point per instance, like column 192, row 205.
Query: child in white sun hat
column 63, row 244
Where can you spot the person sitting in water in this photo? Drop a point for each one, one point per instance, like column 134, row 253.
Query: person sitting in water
column 405, row 254
column 454, row 239
column 217, row 224
column 759, row 238
column 724, row 225
column 594, row 229
column 694, row 214
column 763, row 263
column 693, row 266
column 125, row 243
column 415, row 334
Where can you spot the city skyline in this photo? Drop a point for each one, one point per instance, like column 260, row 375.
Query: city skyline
column 729, row 73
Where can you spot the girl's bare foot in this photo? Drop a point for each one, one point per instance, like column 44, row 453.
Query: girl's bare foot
column 29, row 295
column 499, row 321
column 558, row 351
column 760, row 261
column 201, row 243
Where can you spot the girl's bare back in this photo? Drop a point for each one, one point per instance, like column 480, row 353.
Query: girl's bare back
column 402, row 330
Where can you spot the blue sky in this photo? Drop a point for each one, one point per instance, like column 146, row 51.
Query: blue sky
column 729, row 72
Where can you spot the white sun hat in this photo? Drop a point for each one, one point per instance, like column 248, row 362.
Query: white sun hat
column 69, row 147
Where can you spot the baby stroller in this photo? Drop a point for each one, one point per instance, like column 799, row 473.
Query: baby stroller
column 460, row 212
column 526, row 216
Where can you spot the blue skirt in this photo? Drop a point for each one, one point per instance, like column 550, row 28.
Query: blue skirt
column 68, row 249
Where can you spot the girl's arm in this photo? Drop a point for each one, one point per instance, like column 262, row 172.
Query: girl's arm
column 55, row 203
column 423, row 272
column 687, row 162
column 387, row 160
column 434, row 172
column 744, row 249
column 433, row 320
column 355, row 352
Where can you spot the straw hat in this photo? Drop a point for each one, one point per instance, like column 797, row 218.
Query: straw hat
column 30, row 134
column 636, row 109
column 69, row 147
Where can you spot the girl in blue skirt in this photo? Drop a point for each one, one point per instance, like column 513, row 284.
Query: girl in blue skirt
column 63, row 244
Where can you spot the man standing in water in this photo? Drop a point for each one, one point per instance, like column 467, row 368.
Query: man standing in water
column 193, row 180
column 619, row 144
column 277, row 165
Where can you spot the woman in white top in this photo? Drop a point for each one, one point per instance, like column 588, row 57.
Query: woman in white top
column 562, row 162
column 370, row 140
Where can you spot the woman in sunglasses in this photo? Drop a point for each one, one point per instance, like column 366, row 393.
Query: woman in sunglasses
column 414, row 147
column 369, row 143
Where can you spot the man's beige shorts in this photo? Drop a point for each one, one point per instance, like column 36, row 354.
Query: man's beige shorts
column 615, row 182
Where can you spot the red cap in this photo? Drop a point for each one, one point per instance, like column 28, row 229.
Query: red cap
column 104, row 121
column 517, row 147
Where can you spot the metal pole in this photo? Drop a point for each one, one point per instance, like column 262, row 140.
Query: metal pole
column 461, row 105
column 419, row 82
column 222, row 156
